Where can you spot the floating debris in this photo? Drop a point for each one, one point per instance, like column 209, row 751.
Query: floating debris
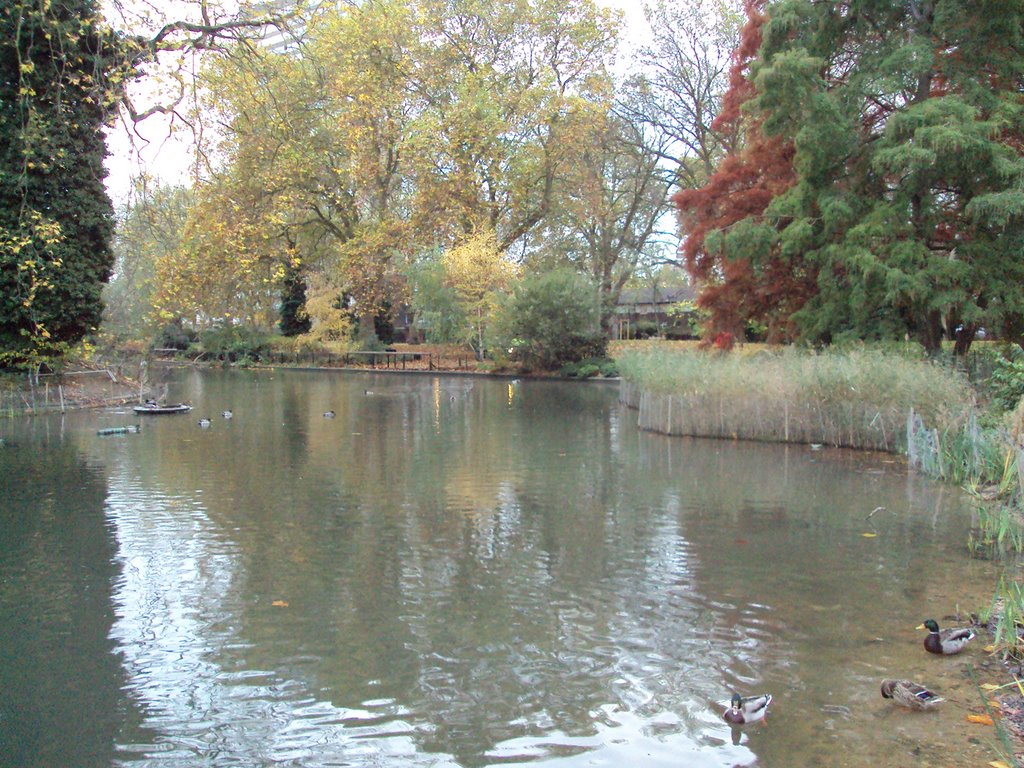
column 130, row 428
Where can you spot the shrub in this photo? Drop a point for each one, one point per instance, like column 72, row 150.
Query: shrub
column 1006, row 385
column 235, row 344
column 174, row 335
column 551, row 319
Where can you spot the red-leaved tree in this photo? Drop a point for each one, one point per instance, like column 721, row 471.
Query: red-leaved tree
column 756, row 170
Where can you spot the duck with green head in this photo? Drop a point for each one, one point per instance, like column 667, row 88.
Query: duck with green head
column 947, row 641
column 747, row 710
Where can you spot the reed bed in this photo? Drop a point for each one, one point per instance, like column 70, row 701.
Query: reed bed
column 858, row 399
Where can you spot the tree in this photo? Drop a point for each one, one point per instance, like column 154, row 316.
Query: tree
column 63, row 74
column 478, row 271
column 553, row 318
column 59, row 79
column 904, row 214
column 148, row 231
column 676, row 96
column 609, row 204
column 509, row 92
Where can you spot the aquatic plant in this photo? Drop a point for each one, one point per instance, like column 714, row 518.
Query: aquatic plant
column 856, row 399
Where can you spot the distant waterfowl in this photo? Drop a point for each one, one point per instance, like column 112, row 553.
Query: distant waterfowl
column 205, row 422
column 909, row 694
column 747, row 710
column 328, row 414
column 367, row 392
column 947, row 641
column 227, row 414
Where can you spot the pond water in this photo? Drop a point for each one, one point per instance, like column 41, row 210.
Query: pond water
column 459, row 571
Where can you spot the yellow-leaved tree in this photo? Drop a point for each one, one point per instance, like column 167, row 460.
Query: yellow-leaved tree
column 479, row 272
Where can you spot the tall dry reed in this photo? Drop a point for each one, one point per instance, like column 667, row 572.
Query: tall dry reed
column 857, row 399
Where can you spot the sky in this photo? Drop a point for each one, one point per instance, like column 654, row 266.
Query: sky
column 162, row 150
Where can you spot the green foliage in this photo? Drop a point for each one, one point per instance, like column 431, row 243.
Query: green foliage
column 1006, row 384
column 57, row 76
column 235, row 344
column 148, row 230
column 174, row 335
column 294, row 318
column 903, row 213
column 551, row 319
column 589, row 368
column 435, row 302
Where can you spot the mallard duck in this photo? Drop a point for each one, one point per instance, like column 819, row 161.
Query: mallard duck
column 946, row 642
column 227, row 414
column 747, row 710
column 909, row 694
column 205, row 422
column 328, row 414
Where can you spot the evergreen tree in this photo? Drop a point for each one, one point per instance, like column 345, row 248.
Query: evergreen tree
column 294, row 320
column 55, row 215
column 905, row 208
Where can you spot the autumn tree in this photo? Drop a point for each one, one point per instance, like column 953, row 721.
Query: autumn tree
column 903, row 212
column 509, row 92
column 610, row 204
column 148, row 231
column 479, row 272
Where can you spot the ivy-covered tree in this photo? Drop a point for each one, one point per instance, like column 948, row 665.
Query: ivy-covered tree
column 58, row 80
column 63, row 73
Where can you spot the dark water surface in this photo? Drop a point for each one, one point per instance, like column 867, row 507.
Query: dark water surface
column 463, row 572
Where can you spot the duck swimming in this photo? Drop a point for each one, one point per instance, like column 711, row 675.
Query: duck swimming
column 909, row 694
column 947, row 641
column 205, row 422
column 328, row 414
column 747, row 710
column 227, row 414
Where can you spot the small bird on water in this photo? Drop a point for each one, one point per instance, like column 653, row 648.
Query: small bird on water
column 205, row 423
column 909, row 694
column 747, row 710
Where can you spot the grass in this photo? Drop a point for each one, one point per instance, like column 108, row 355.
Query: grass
column 857, row 399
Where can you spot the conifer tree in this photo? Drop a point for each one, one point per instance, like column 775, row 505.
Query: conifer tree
column 906, row 206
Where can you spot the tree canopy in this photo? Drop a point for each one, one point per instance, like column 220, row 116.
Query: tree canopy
column 877, row 190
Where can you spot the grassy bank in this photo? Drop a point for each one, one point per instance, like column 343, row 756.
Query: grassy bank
column 858, row 399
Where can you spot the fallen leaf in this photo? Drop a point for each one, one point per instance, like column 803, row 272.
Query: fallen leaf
column 982, row 719
column 989, row 649
column 998, row 764
column 990, row 687
column 869, row 535
column 280, row 603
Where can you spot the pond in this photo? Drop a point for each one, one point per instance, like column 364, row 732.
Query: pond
column 459, row 571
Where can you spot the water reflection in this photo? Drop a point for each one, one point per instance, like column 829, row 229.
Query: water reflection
column 453, row 572
column 60, row 699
